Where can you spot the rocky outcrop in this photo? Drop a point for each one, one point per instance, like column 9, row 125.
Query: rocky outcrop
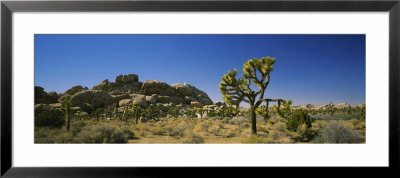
column 140, row 100
column 41, row 97
column 123, row 84
column 190, row 92
column 54, row 96
column 150, row 87
column 89, row 99
column 76, row 89
column 127, row 90
column 342, row 105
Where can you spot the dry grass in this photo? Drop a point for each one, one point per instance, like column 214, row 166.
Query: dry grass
column 189, row 131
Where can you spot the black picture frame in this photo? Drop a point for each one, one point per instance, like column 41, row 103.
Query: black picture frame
column 8, row 7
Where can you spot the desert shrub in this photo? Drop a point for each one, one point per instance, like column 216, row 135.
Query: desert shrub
column 49, row 117
column 336, row 132
column 76, row 127
column 201, row 127
column 214, row 129
column 190, row 137
column 275, row 135
column 298, row 118
column 244, row 125
column 52, row 135
column 229, row 134
column 306, row 132
column 279, row 126
column 255, row 139
column 262, row 128
column 245, row 132
column 238, row 121
column 104, row 133
column 177, row 131
column 65, row 137
column 157, row 131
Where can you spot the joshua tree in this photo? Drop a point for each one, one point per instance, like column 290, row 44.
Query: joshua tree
column 201, row 112
column 331, row 108
column 174, row 111
column 136, row 112
column 255, row 72
column 152, row 112
column 68, row 114
column 285, row 111
column 231, row 111
column 263, row 111
column 98, row 113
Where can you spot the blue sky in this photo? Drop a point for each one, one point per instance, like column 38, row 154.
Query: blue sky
column 309, row 69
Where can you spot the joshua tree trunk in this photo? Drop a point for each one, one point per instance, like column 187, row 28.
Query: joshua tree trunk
column 137, row 120
column 253, row 120
column 68, row 116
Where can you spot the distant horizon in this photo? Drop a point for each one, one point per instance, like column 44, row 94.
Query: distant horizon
column 309, row 69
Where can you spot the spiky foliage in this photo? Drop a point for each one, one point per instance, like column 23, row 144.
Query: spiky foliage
column 298, row 118
column 231, row 111
column 190, row 112
column 255, row 72
column 361, row 110
column 98, row 113
column 285, row 110
column 151, row 113
column 263, row 111
column 136, row 112
column 109, row 112
column 174, row 111
column 331, row 108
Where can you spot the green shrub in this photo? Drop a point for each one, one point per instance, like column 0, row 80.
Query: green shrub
column 306, row 132
column 46, row 116
column 104, row 133
column 336, row 132
column 298, row 118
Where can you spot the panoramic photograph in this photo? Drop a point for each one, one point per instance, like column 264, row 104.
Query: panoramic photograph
column 199, row 89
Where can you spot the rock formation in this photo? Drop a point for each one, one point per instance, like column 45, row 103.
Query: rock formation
column 125, row 91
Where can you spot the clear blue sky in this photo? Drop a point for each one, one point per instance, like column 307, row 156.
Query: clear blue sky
column 313, row 69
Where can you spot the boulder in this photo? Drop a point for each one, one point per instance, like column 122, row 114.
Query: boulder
column 54, row 96
column 204, row 101
column 150, row 87
column 95, row 98
column 139, row 99
column 196, row 104
column 189, row 99
column 76, row 89
column 169, row 99
column 56, row 105
column 342, row 105
column 118, row 98
column 115, row 93
column 151, row 100
column 123, row 84
column 120, row 79
column 189, row 90
column 125, row 102
column 64, row 98
column 183, row 89
column 41, row 97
